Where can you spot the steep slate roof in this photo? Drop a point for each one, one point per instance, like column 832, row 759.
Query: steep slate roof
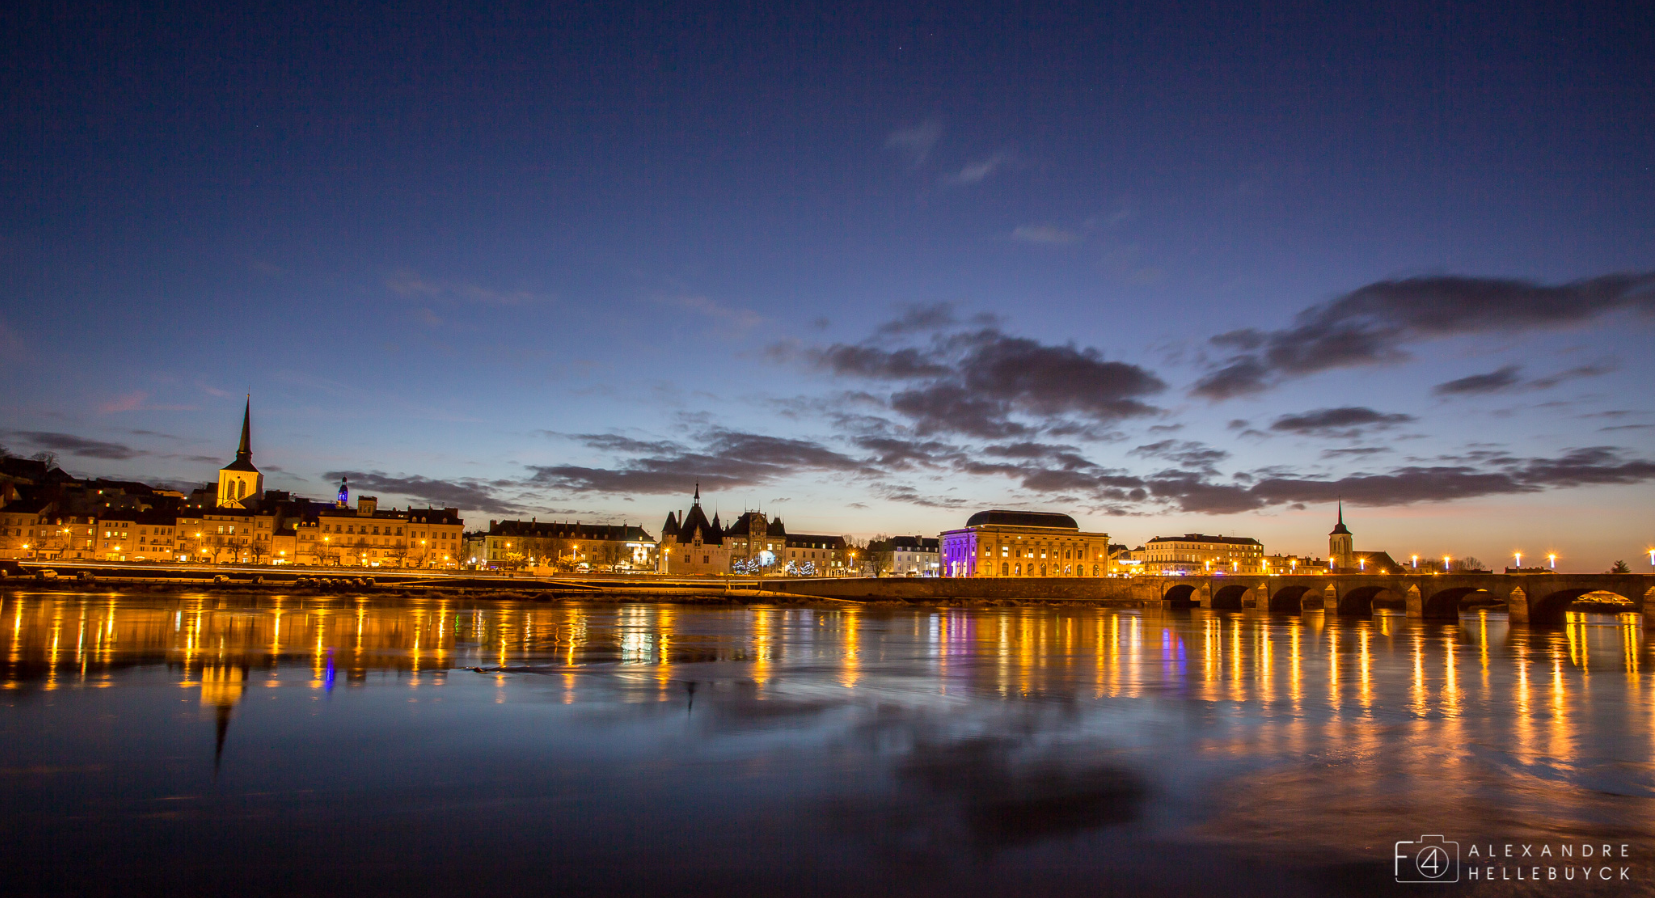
column 915, row 544
column 244, row 452
column 670, row 528
column 1003, row 518
column 696, row 519
column 1340, row 528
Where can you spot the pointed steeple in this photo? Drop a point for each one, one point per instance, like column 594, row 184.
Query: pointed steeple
column 245, row 451
column 698, row 493
column 1340, row 528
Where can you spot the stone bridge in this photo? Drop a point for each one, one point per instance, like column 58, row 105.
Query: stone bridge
column 1531, row 598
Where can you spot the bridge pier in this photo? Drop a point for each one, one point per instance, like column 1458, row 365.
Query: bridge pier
column 1517, row 605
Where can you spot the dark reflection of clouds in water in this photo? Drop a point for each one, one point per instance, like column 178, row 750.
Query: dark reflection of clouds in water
column 988, row 793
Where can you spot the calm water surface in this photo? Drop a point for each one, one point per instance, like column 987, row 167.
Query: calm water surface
column 333, row 746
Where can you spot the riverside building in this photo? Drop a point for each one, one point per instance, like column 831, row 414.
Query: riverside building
column 1199, row 553
column 1002, row 543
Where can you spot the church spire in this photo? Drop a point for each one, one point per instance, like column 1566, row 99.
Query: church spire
column 1340, row 528
column 244, row 452
column 698, row 493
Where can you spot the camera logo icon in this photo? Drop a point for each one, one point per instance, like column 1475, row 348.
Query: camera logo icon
column 1428, row 859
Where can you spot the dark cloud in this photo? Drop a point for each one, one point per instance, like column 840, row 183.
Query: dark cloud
column 69, row 444
column 726, row 458
column 1552, row 380
column 948, row 407
column 932, row 318
column 1344, row 422
column 880, row 364
column 1493, row 382
column 1185, row 453
column 1408, row 485
column 1498, row 474
column 979, row 382
column 463, row 494
column 1354, row 452
column 1376, row 323
column 1507, row 379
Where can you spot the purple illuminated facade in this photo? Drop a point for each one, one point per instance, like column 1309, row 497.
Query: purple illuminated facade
column 1001, row 543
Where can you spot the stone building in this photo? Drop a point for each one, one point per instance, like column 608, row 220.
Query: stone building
column 914, row 556
column 691, row 545
column 550, row 546
column 1001, row 543
column 1200, row 553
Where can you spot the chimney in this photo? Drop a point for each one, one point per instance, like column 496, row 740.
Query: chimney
column 366, row 506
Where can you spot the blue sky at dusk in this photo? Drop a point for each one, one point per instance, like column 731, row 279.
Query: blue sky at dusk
column 1166, row 267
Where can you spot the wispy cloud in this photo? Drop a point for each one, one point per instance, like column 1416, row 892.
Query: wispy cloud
column 975, row 172
column 410, row 284
column 138, row 401
column 916, row 141
column 708, row 307
column 1507, row 379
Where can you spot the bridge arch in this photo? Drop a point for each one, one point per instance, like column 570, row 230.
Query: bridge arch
column 1179, row 595
column 1548, row 609
column 1359, row 602
column 1232, row 596
column 1444, row 604
column 1288, row 599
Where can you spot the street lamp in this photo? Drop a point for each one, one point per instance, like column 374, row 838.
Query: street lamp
column 1552, row 557
column 1445, row 564
column 1416, row 562
column 1519, row 557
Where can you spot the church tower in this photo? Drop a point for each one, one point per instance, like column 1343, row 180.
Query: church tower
column 1341, row 546
column 239, row 481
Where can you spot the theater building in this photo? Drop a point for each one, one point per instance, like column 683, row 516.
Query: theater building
column 1002, row 543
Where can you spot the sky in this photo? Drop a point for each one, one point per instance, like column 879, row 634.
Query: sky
column 1165, row 267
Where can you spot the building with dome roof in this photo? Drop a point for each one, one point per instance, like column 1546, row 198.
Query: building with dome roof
column 1005, row 543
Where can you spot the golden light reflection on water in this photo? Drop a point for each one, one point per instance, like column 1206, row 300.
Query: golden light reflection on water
column 1362, row 668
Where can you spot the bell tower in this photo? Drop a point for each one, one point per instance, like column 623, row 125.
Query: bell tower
column 239, row 481
column 1341, row 546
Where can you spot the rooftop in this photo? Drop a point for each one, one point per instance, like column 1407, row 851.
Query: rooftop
column 1000, row 517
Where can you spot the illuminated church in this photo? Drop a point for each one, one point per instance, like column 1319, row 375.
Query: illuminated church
column 239, row 481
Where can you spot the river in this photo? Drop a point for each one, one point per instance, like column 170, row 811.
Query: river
column 348, row 745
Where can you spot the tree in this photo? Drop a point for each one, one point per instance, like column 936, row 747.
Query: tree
column 47, row 458
column 1620, row 567
column 1468, row 563
column 878, row 554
